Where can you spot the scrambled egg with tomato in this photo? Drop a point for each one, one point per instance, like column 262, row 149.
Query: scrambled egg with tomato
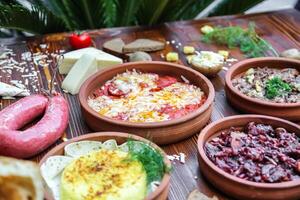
column 146, row 97
column 104, row 175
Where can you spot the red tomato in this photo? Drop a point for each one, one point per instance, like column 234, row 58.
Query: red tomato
column 165, row 81
column 79, row 41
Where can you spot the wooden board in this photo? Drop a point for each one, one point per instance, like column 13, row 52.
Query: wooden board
column 281, row 29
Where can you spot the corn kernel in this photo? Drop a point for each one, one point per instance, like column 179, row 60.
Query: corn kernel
column 223, row 53
column 206, row 29
column 172, row 57
column 188, row 50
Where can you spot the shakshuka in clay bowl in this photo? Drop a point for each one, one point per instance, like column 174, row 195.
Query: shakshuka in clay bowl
column 161, row 101
column 269, row 86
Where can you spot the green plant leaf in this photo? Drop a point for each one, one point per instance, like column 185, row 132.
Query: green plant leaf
column 230, row 7
column 126, row 12
column 34, row 20
column 46, row 16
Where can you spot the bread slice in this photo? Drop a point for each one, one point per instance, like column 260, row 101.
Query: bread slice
column 20, row 180
column 143, row 45
column 114, row 45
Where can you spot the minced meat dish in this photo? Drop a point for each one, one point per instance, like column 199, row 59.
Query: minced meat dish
column 258, row 153
column 270, row 84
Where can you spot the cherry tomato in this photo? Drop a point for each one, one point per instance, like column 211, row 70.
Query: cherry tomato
column 79, row 41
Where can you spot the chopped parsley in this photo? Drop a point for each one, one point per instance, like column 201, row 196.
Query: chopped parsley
column 151, row 159
column 276, row 87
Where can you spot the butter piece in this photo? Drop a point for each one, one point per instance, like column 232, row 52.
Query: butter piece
column 103, row 59
column 188, row 49
column 172, row 57
column 83, row 68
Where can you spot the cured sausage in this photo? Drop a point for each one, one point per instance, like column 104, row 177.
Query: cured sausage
column 24, row 144
column 22, row 112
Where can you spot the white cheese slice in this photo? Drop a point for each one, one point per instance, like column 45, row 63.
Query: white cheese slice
column 83, row 68
column 103, row 59
column 7, row 90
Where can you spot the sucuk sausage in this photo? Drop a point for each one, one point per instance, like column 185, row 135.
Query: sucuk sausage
column 22, row 112
column 24, row 144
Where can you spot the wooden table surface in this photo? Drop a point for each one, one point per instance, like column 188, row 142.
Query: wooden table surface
column 281, row 29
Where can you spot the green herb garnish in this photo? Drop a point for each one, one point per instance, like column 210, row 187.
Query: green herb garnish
column 276, row 87
column 246, row 39
column 151, row 159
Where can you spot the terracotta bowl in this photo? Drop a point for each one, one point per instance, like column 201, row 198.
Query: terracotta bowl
column 237, row 187
column 159, row 132
column 161, row 193
column 290, row 111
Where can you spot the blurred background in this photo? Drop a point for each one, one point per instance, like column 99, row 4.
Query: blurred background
column 30, row 17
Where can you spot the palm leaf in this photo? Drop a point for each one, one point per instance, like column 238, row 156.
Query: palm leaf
column 109, row 9
column 35, row 20
column 126, row 12
column 230, row 7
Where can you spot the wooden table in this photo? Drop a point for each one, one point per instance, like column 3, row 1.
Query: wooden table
column 281, row 29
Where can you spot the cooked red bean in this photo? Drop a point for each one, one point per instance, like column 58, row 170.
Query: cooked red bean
column 259, row 153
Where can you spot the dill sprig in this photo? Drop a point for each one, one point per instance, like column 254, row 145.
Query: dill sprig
column 249, row 42
column 151, row 159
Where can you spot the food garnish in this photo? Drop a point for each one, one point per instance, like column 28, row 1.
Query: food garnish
column 172, row 57
column 270, row 84
column 151, row 159
column 247, row 40
column 259, row 153
column 133, row 166
column 145, row 97
column 80, row 40
column 276, row 87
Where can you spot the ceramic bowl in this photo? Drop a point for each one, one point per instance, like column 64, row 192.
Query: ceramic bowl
column 237, row 187
column 159, row 132
column 161, row 193
column 242, row 102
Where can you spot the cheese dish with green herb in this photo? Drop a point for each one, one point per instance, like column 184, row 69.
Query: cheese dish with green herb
column 270, row 84
column 91, row 170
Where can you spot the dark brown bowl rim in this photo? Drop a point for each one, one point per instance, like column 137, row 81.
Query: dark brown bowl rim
column 202, row 154
column 204, row 107
column 166, row 178
column 228, row 80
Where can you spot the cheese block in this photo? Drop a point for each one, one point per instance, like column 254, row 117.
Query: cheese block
column 103, row 59
column 83, row 68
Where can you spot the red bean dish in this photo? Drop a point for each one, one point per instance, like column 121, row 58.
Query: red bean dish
column 259, row 153
column 146, row 97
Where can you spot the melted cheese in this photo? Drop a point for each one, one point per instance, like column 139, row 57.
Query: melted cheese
column 140, row 104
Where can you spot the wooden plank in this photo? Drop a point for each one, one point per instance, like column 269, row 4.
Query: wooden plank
column 281, row 29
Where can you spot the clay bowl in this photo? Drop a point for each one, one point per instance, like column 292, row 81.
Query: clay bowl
column 234, row 186
column 159, row 132
column 161, row 193
column 242, row 102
